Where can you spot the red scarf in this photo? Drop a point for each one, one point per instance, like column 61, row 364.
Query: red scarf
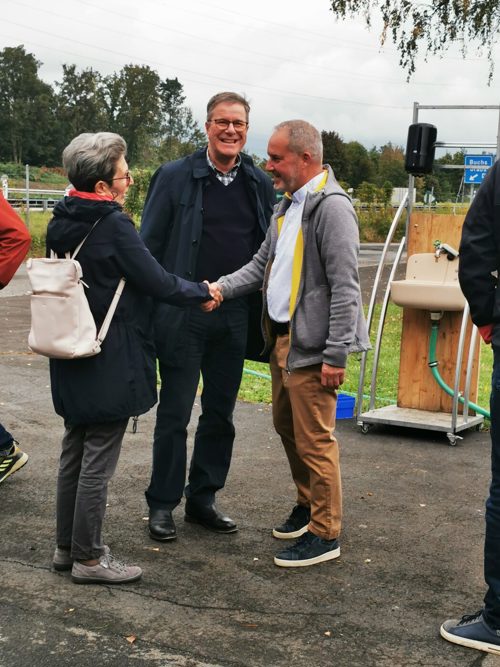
column 89, row 195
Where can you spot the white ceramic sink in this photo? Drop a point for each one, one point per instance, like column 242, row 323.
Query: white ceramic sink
column 431, row 284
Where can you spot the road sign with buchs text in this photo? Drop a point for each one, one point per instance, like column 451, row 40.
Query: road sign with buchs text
column 476, row 167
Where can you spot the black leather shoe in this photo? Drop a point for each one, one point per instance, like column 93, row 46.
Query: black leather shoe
column 209, row 517
column 161, row 525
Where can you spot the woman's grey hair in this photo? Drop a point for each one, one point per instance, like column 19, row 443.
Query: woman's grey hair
column 227, row 97
column 90, row 158
column 303, row 137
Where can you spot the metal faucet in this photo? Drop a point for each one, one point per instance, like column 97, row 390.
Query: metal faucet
column 444, row 248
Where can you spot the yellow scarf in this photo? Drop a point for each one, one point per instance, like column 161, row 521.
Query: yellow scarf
column 298, row 253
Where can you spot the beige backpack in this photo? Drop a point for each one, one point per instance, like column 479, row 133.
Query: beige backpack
column 62, row 324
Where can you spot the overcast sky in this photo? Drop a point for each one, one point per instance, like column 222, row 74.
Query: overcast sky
column 292, row 59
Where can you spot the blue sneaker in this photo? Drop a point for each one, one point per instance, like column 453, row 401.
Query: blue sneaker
column 295, row 525
column 472, row 631
column 309, row 549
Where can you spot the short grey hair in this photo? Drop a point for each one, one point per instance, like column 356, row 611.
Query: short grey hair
column 303, row 137
column 227, row 97
column 92, row 157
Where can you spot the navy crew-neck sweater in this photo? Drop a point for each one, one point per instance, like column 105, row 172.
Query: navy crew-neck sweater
column 230, row 227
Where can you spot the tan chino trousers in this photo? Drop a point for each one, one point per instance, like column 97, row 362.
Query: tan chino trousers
column 304, row 417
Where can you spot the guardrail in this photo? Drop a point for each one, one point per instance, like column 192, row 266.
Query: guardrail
column 34, row 199
column 33, row 203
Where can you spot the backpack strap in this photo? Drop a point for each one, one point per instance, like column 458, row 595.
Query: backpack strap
column 111, row 311
column 78, row 247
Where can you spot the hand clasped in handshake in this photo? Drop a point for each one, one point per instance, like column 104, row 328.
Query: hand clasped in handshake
column 216, row 294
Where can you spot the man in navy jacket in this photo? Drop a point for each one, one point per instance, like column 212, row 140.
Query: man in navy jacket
column 478, row 274
column 205, row 215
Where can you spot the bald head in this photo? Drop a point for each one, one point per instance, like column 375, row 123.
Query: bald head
column 303, row 138
column 295, row 154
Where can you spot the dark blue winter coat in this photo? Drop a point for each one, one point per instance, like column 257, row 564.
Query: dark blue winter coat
column 120, row 381
column 479, row 266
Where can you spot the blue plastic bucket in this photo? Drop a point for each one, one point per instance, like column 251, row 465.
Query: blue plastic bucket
column 345, row 406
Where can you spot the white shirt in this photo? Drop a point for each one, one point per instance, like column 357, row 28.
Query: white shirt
column 280, row 280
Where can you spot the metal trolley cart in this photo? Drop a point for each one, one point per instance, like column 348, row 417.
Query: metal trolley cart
column 447, row 422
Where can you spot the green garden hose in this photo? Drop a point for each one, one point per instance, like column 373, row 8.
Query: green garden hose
column 433, row 364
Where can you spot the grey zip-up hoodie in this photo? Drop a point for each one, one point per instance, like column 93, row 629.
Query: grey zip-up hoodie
column 328, row 321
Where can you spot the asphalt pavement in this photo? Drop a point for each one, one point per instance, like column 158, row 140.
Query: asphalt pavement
column 411, row 548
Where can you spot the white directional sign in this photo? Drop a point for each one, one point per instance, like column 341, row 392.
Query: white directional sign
column 476, row 167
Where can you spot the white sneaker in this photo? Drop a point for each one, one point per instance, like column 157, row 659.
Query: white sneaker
column 109, row 570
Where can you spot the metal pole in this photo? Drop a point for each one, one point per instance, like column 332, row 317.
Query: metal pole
column 464, row 144
column 458, row 368
column 28, row 196
column 411, row 179
column 381, row 322
column 371, row 307
column 468, row 375
column 459, row 106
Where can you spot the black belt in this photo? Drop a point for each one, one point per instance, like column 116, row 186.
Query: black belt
column 280, row 328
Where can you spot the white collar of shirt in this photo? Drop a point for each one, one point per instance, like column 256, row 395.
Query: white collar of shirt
column 299, row 195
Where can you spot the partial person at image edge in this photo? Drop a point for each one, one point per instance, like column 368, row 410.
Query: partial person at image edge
column 15, row 242
column 478, row 274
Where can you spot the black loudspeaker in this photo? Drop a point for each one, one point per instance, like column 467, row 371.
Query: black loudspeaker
column 420, row 148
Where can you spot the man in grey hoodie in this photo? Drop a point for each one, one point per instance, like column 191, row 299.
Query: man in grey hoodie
column 312, row 319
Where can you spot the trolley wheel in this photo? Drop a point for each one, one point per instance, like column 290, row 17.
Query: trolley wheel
column 452, row 438
column 365, row 428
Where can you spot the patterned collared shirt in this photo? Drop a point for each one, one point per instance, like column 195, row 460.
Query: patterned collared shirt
column 228, row 177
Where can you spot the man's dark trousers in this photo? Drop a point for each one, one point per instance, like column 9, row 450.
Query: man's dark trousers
column 216, row 344
column 492, row 541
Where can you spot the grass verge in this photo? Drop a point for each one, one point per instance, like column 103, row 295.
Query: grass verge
column 257, row 390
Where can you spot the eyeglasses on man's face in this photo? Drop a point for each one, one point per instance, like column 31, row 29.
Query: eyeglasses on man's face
column 127, row 177
column 223, row 124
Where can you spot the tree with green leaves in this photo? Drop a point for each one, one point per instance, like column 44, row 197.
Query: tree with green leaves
column 133, row 108
column 359, row 166
column 80, row 101
column 446, row 182
column 391, row 166
column 181, row 134
column 27, row 124
column 172, row 100
column 334, row 153
column 368, row 193
column 429, row 26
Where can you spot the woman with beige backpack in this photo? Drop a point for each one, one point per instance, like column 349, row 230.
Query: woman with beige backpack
column 97, row 394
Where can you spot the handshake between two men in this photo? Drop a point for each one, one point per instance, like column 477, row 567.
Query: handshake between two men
column 217, row 298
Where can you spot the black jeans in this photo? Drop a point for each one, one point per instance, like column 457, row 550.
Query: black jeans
column 216, row 345
column 492, row 541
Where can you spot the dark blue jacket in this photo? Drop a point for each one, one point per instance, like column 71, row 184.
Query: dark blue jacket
column 171, row 228
column 120, row 381
column 480, row 253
